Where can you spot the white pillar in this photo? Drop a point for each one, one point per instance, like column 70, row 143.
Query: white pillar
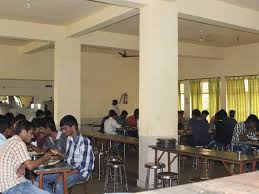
column 67, row 79
column 158, row 87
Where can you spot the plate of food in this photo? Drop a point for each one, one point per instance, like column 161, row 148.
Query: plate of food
column 52, row 162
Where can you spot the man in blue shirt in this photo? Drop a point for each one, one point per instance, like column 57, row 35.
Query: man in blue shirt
column 79, row 154
column 5, row 131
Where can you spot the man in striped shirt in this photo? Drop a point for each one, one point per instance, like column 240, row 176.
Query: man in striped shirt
column 79, row 155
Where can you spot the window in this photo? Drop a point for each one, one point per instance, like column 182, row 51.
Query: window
column 205, row 95
column 182, row 95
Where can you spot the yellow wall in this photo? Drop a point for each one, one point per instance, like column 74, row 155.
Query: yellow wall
column 15, row 65
column 104, row 78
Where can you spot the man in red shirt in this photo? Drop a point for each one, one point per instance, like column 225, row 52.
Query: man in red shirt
column 133, row 119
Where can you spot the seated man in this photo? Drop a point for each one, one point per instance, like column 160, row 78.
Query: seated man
column 242, row 132
column 53, row 139
column 199, row 127
column 132, row 120
column 13, row 158
column 111, row 125
column 224, row 129
column 105, row 118
column 79, row 154
column 5, row 131
column 122, row 118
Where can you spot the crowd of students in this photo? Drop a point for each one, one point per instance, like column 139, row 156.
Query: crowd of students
column 222, row 130
column 17, row 136
column 114, row 121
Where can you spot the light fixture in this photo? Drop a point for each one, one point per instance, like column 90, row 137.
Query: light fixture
column 28, row 4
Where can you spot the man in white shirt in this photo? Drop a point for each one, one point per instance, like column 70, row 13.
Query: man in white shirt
column 110, row 124
column 116, row 107
column 5, row 131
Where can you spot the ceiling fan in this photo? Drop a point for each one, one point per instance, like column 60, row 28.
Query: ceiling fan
column 125, row 55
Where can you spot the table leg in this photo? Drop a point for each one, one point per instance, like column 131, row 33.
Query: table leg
column 65, row 182
column 124, row 146
column 254, row 166
column 156, row 157
column 241, row 168
column 169, row 161
column 41, row 181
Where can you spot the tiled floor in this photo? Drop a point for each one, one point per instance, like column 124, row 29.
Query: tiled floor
column 187, row 171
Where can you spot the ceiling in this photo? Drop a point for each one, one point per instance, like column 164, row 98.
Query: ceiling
column 13, row 42
column 250, row 4
column 56, row 12
column 59, row 13
column 193, row 32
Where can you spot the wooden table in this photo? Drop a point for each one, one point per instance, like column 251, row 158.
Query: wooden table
column 238, row 184
column 61, row 167
column 111, row 138
column 222, row 156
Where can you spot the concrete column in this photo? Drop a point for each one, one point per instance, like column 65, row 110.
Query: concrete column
column 67, row 79
column 158, row 87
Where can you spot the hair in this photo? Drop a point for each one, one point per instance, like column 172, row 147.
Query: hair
column 205, row 112
column 252, row 119
column 48, row 114
column 114, row 102
column 180, row 112
column 112, row 113
column 48, row 123
column 222, row 114
column 232, row 112
column 196, row 113
column 124, row 112
column 69, row 120
column 4, row 124
column 136, row 111
column 22, row 125
column 40, row 113
column 36, row 122
column 9, row 116
column 19, row 117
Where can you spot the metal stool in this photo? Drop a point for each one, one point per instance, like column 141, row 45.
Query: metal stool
column 114, row 170
column 155, row 167
column 101, row 165
column 170, row 177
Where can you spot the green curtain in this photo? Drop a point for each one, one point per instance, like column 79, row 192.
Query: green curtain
column 213, row 96
column 236, row 97
column 196, row 96
column 253, row 93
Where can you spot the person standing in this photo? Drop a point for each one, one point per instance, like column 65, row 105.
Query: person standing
column 115, row 106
